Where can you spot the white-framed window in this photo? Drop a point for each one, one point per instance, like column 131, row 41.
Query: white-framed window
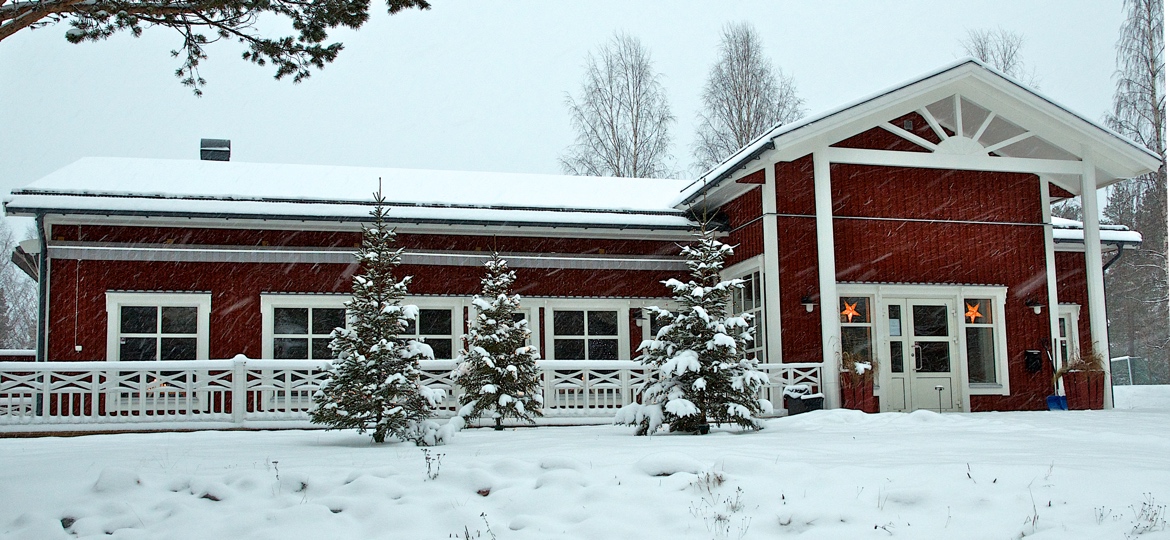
column 856, row 315
column 750, row 300
column 979, row 328
column 298, row 327
column 439, row 324
column 144, row 326
column 1068, row 343
column 587, row 329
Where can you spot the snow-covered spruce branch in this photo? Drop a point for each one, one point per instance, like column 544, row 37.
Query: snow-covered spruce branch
column 201, row 23
column 699, row 372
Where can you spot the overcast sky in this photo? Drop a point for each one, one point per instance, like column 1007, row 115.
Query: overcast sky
column 475, row 85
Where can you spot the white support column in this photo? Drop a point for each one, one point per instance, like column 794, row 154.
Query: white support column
column 827, row 278
column 774, row 352
column 1050, row 270
column 1095, row 276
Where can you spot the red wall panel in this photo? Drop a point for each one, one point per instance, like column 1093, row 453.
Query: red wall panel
column 273, row 237
column 747, row 236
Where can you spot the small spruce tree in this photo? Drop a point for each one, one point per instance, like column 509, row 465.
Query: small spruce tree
column 497, row 369
column 700, row 374
column 374, row 384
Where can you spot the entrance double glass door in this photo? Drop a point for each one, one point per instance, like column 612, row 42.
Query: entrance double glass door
column 921, row 355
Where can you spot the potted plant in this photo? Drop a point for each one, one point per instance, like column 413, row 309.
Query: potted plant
column 1084, row 381
column 857, row 376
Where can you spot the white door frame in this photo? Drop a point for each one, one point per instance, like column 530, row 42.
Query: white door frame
column 955, row 294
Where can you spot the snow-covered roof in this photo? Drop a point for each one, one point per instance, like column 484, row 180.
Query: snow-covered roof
column 1121, row 158
column 1070, row 231
column 181, row 188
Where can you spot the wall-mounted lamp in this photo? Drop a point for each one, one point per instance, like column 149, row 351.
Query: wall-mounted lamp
column 1036, row 306
column 808, row 303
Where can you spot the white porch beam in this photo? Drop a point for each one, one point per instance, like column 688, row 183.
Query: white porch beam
column 774, row 351
column 1008, row 142
column 827, row 279
column 1050, row 273
column 1098, row 326
column 908, row 136
column 983, row 126
column 951, row 161
column 938, row 130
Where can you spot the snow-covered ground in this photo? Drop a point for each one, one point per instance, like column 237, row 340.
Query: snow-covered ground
column 826, row 474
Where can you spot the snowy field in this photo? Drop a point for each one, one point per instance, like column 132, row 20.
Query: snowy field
column 827, row 474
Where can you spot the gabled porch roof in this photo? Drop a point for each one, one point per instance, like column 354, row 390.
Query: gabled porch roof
column 1004, row 119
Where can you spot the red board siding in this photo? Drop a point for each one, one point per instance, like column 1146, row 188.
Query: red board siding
column 235, row 293
column 243, row 237
column 800, row 331
column 880, row 139
column 897, row 192
column 797, row 244
column 747, row 236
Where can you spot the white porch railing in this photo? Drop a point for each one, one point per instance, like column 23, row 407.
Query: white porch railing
column 202, row 394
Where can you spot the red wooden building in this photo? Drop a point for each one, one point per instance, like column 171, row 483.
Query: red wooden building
column 911, row 228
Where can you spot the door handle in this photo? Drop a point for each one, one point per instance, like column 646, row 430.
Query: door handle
column 916, row 350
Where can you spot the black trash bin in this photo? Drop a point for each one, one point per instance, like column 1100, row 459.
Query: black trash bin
column 799, row 398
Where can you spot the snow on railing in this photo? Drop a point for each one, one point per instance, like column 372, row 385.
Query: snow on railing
column 278, row 393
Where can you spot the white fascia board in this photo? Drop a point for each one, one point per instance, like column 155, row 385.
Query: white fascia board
column 926, row 160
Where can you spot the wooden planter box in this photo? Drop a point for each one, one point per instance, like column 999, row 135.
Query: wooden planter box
column 857, row 392
column 1085, row 390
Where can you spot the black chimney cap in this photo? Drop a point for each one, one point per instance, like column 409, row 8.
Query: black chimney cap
column 215, row 149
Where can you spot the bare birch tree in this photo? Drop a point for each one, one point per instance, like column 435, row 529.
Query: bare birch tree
column 1137, row 285
column 1002, row 50
column 622, row 117
column 745, row 96
column 18, row 297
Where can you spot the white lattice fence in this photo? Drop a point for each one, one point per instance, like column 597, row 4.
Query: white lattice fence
column 215, row 393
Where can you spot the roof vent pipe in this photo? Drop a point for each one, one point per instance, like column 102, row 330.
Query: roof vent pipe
column 215, row 149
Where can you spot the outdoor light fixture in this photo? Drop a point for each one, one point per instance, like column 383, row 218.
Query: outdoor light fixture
column 808, row 303
column 1034, row 305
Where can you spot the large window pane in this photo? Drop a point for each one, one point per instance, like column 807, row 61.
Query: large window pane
column 139, row 320
column 569, row 323
column 433, row 322
column 569, row 349
column 178, row 348
column 326, row 319
column 981, row 355
column 290, row 321
column 441, row 348
column 933, row 356
column 180, row 320
column 896, row 355
column 321, row 350
column 138, row 349
column 856, row 340
column 930, row 321
column 290, row 348
column 603, row 349
column 603, row 323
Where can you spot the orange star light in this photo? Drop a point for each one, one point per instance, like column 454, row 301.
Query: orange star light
column 972, row 312
column 850, row 312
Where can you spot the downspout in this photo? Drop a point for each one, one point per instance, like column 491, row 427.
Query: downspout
column 1115, row 258
column 42, row 291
